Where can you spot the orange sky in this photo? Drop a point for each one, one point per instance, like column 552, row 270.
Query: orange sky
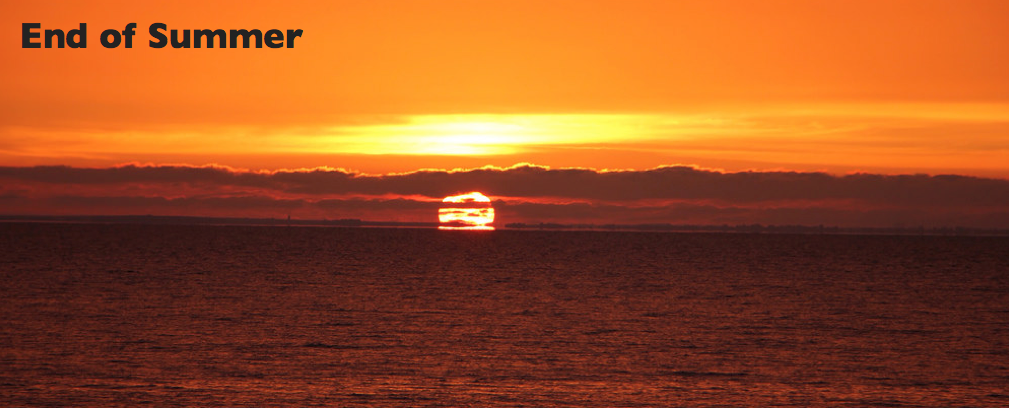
column 381, row 86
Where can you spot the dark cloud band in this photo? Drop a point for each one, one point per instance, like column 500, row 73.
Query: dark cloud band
column 536, row 182
column 530, row 193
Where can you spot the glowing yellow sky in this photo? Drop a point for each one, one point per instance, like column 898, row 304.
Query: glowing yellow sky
column 892, row 86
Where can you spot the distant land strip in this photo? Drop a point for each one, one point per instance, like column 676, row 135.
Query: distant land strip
column 355, row 223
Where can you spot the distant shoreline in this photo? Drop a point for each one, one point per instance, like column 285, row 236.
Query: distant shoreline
column 357, row 223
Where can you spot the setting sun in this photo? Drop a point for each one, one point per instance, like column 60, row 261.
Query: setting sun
column 234, row 202
column 470, row 211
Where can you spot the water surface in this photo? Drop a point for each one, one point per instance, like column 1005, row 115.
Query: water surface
column 225, row 316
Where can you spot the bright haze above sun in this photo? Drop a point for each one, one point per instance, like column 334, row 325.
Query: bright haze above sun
column 470, row 211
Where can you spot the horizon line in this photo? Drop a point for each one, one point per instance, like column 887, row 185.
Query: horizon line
column 756, row 228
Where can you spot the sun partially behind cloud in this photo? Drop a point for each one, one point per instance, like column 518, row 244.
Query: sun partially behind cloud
column 891, row 87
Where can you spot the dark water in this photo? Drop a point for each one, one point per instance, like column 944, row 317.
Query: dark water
column 251, row 316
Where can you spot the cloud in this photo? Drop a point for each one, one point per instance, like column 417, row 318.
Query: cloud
column 527, row 192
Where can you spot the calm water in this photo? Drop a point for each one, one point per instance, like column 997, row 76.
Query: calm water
column 222, row 316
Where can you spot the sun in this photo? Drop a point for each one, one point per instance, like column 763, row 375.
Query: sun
column 470, row 211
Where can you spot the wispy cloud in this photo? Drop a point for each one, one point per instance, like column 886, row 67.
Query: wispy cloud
column 921, row 136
